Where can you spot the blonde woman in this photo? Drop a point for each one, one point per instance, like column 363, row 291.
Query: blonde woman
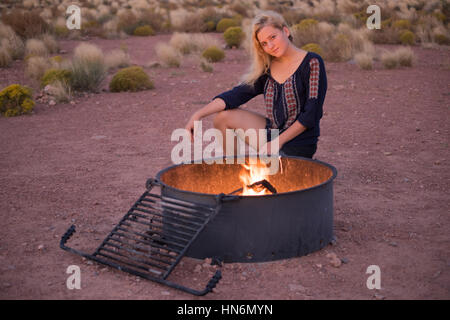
column 294, row 85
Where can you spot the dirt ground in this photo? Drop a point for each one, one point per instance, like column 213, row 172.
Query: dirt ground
column 386, row 132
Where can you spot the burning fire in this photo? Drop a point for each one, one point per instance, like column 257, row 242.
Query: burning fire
column 254, row 173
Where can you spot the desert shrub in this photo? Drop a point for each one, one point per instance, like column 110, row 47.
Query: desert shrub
column 5, row 57
column 389, row 60
column 226, row 23
column 402, row 24
column 441, row 39
column 364, row 60
column 60, row 91
column 339, row 48
column 36, row 67
column 233, row 36
column 206, row 66
column 53, row 75
column 117, row 59
column 16, row 100
column 313, row 47
column 407, row 37
column 88, row 67
column 156, row 20
column 307, row 31
column 213, row 54
column 210, row 26
column 183, row 42
column 128, row 22
column 27, row 24
column 168, row 55
column 187, row 43
column 50, row 43
column 130, row 79
column 56, row 60
column 144, row 31
column 35, row 47
column 306, row 24
column 405, row 57
column 11, row 42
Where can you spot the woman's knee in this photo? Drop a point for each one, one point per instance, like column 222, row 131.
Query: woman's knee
column 221, row 118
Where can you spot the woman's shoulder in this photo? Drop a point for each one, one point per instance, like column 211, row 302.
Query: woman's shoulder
column 312, row 56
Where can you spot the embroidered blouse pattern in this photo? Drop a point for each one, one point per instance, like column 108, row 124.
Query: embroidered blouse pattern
column 314, row 78
column 290, row 100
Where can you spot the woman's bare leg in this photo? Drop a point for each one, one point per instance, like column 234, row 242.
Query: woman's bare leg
column 239, row 119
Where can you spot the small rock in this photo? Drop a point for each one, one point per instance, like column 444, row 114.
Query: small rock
column 334, row 260
column 318, row 265
column 393, row 244
column 437, row 162
column 344, row 260
column 72, row 102
column 379, row 296
column 165, row 293
column 41, row 247
column 296, row 287
column 208, row 261
column 387, row 153
column 198, row 268
column 52, row 103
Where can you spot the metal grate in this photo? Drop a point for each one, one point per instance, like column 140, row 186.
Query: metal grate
column 152, row 237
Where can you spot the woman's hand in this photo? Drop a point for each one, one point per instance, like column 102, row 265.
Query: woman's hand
column 190, row 125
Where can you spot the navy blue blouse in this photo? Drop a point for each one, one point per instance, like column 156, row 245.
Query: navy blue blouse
column 299, row 98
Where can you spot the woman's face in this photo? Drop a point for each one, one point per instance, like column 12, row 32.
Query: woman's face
column 274, row 41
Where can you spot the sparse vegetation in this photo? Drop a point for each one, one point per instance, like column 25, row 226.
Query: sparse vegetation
column 130, row 79
column 226, row 23
column 144, row 31
column 313, row 47
column 168, row 55
column 16, row 100
column 213, row 54
column 53, row 75
column 88, row 67
column 234, row 36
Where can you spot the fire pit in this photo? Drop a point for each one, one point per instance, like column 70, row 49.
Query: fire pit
column 293, row 221
column 232, row 213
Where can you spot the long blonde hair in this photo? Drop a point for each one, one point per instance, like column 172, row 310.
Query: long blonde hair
column 261, row 60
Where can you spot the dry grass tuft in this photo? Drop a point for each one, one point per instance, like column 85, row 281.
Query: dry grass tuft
column 168, row 55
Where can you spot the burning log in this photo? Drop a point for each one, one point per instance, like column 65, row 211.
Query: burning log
column 258, row 186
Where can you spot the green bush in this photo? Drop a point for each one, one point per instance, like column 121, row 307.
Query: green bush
column 442, row 39
column 209, row 26
column 53, row 75
column 144, row 31
column 213, row 54
column 407, row 37
column 306, row 24
column 225, row 23
column 233, row 36
column 130, row 79
column 313, row 47
column 16, row 100
column 402, row 24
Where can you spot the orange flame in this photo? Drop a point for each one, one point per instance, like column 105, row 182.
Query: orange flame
column 254, row 173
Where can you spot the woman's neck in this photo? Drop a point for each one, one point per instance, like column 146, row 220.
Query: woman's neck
column 291, row 54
